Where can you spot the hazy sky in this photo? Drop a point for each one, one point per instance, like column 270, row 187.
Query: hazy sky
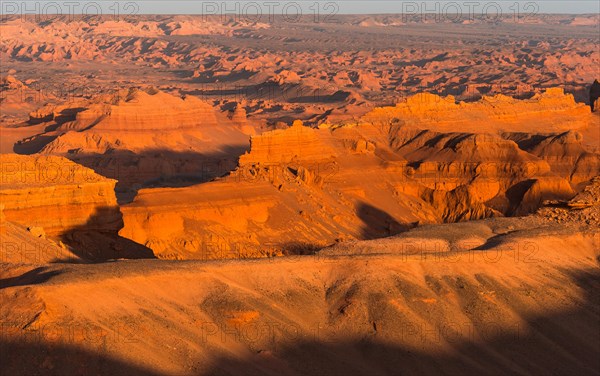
column 305, row 6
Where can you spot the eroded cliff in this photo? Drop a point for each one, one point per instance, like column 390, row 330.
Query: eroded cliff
column 301, row 188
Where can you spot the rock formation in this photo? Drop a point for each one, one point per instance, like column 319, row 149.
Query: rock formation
column 397, row 168
column 429, row 111
column 284, row 146
column 565, row 152
column 134, row 120
column 70, row 205
column 56, row 194
column 141, row 137
column 584, row 208
column 394, row 168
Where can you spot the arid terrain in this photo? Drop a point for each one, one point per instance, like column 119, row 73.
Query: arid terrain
column 371, row 195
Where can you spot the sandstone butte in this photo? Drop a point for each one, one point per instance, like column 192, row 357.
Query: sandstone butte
column 135, row 120
column 51, row 197
column 426, row 160
column 138, row 136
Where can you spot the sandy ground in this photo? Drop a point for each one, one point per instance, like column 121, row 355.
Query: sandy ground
column 511, row 295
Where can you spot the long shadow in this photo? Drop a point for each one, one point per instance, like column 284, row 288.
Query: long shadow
column 32, row 277
column 421, row 62
column 34, row 357
column 594, row 95
column 98, row 239
column 378, row 223
column 36, row 143
column 151, row 168
column 516, row 192
column 32, row 145
column 555, row 343
column 565, row 343
column 272, row 91
column 159, row 168
column 336, row 97
column 527, row 141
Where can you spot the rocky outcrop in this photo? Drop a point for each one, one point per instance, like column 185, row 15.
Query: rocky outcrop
column 150, row 110
column 499, row 112
column 204, row 223
column 543, row 189
column 365, row 180
column 142, row 138
column 69, row 211
column 283, row 146
column 564, row 152
column 57, row 195
column 134, row 120
column 584, row 208
column 464, row 176
column 284, row 198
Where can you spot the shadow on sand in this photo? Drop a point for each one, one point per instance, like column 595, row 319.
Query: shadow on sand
column 98, row 240
column 564, row 343
column 34, row 357
column 558, row 343
column 32, row 277
column 377, row 223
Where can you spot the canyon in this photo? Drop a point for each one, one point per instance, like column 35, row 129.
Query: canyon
column 376, row 195
column 298, row 189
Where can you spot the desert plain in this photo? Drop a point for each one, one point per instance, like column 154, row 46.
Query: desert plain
column 363, row 195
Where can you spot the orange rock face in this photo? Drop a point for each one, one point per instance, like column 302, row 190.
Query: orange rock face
column 426, row 160
column 134, row 120
column 397, row 168
column 141, row 137
column 56, row 194
column 284, row 146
